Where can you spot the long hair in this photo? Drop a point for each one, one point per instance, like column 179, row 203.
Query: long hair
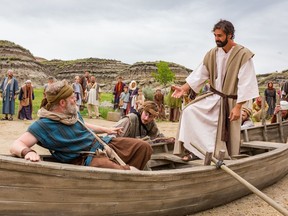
column 226, row 26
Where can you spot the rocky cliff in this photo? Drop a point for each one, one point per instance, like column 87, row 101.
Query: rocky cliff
column 37, row 69
column 105, row 70
column 23, row 63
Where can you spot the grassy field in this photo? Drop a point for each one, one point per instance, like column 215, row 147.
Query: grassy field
column 38, row 93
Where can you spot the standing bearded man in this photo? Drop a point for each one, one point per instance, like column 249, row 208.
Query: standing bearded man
column 212, row 121
column 9, row 90
column 26, row 96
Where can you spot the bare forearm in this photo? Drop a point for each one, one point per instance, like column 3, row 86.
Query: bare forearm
column 96, row 128
column 17, row 147
column 26, row 141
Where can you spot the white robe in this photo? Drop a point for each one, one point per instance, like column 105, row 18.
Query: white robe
column 199, row 120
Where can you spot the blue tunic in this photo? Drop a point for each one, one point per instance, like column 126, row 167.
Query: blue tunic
column 8, row 92
column 64, row 141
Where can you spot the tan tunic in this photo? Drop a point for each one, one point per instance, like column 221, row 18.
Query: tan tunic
column 231, row 73
column 132, row 127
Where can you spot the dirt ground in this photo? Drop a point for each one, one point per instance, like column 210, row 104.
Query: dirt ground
column 250, row 205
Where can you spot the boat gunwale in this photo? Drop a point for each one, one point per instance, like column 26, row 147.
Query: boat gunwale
column 68, row 169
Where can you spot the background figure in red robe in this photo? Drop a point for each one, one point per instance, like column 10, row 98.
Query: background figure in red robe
column 119, row 87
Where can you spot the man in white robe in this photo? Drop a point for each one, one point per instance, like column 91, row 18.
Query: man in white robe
column 93, row 89
column 230, row 69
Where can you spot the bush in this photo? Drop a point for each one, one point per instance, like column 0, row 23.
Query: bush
column 148, row 93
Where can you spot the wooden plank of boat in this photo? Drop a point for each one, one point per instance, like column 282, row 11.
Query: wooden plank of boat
column 47, row 188
column 262, row 145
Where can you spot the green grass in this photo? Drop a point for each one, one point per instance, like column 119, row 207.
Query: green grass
column 38, row 93
column 102, row 110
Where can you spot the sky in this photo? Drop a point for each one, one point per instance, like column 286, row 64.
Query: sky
column 131, row 31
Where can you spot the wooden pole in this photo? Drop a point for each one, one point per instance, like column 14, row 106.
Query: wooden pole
column 110, row 152
column 247, row 184
column 208, row 158
column 279, row 119
column 263, row 117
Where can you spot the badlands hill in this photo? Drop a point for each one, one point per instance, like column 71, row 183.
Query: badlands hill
column 26, row 66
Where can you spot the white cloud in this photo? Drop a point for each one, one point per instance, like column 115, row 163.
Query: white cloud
column 145, row 30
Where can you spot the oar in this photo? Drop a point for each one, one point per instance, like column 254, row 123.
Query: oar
column 110, row 152
column 245, row 183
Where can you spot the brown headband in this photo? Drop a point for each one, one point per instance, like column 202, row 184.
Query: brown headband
column 149, row 108
column 64, row 93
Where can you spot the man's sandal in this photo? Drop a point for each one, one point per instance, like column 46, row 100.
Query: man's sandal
column 189, row 157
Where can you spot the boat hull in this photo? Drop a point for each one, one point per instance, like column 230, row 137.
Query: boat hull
column 47, row 188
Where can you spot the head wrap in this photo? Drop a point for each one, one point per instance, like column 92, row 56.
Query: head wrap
column 52, row 99
column 247, row 110
column 150, row 107
column 131, row 85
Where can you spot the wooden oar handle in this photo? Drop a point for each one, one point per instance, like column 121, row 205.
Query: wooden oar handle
column 251, row 187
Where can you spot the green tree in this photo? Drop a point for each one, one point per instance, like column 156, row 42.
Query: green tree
column 163, row 75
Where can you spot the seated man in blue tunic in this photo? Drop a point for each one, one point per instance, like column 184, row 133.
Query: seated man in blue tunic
column 62, row 130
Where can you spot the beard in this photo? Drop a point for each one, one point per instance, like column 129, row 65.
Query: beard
column 71, row 109
column 222, row 43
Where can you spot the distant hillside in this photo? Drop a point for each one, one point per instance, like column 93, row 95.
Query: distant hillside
column 105, row 70
column 276, row 77
column 25, row 66
column 37, row 69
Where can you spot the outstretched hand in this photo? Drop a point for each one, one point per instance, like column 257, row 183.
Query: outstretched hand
column 178, row 91
column 114, row 130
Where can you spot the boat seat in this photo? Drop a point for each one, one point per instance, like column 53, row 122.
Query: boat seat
column 170, row 160
column 262, row 145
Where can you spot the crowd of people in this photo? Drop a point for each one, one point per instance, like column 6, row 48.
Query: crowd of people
column 10, row 91
column 227, row 101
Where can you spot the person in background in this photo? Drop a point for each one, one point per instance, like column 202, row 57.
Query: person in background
column 9, row 90
column 174, row 105
column 26, row 97
column 284, row 91
column 78, row 91
column 84, row 80
column 257, row 109
column 159, row 100
column 270, row 96
column 62, row 130
column 140, row 98
column 212, row 121
column 49, row 82
column 133, row 91
column 93, row 94
column 124, row 101
column 140, row 124
column 118, row 88
column 246, row 120
column 284, row 114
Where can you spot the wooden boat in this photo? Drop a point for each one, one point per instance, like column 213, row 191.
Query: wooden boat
column 170, row 187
